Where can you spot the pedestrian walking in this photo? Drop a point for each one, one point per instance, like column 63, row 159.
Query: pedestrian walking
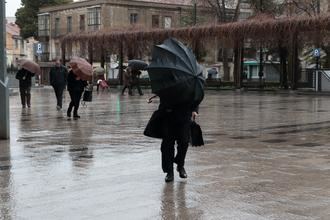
column 135, row 74
column 58, row 75
column 180, row 87
column 127, row 81
column 25, row 82
column 76, row 88
column 176, row 123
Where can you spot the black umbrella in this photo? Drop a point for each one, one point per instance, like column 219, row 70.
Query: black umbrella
column 175, row 75
column 137, row 64
column 212, row 71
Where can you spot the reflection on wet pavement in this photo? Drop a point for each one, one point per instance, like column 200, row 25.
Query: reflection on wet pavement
column 266, row 157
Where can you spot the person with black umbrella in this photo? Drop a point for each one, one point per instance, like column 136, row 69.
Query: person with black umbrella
column 177, row 79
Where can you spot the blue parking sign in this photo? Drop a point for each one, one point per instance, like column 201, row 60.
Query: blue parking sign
column 317, row 52
column 38, row 48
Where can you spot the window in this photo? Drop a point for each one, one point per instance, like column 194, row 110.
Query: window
column 57, row 27
column 94, row 18
column 82, row 23
column 69, row 24
column 16, row 43
column 155, row 21
column 43, row 25
column 57, row 50
column 167, row 22
column 133, row 18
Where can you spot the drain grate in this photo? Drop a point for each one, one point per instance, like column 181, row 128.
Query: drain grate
column 274, row 141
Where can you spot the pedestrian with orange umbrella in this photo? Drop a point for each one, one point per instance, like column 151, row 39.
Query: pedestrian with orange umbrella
column 28, row 69
column 77, row 80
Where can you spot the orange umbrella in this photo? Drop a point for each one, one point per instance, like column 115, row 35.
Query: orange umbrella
column 29, row 65
column 81, row 68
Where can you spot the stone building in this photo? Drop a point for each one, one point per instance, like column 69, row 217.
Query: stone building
column 81, row 16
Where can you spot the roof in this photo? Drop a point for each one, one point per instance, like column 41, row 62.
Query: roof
column 89, row 3
column 173, row 2
column 13, row 29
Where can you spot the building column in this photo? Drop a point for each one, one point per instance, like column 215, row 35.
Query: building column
column 4, row 90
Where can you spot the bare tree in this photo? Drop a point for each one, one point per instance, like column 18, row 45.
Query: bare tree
column 225, row 11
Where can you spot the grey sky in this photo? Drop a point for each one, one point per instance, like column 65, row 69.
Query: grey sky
column 11, row 7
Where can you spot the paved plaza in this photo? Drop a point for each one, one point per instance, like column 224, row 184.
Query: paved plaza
column 267, row 156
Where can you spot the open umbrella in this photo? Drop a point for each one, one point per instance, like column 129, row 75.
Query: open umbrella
column 81, row 68
column 137, row 64
column 29, row 65
column 212, row 71
column 99, row 70
column 175, row 75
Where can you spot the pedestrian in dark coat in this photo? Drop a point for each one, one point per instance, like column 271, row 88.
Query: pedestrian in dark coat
column 176, row 123
column 135, row 74
column 76, row 88
column 25, row 82
column 127, row 81
column 58, row 79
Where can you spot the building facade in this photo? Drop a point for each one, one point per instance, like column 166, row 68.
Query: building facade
column 94, row 15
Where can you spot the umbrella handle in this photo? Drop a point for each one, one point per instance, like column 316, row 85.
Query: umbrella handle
column 151, row 98
column 194, row 115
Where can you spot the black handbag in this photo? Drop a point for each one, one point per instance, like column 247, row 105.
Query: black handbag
column 196, row 135
column 88, row 96
column 155, row 125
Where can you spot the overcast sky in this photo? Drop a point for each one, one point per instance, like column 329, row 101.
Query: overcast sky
column 11, row 7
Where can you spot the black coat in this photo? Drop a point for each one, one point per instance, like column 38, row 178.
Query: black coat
column 161, row 118
column 25, row 78
column 74, row 84
column 58, row 76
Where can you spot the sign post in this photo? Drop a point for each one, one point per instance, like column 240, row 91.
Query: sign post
column 317, row 54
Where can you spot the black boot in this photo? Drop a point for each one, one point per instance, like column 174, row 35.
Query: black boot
column 182, row 172
column 169, row 177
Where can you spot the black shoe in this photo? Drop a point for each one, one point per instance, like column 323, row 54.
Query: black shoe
column 76, row 116
column 68, row 114
column 169, row 177
column 182, row 172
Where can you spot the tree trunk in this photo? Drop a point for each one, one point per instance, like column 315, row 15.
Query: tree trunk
column 283, row 65
column 293, row 62
column 226, row 71
column 121, row 60
column 238, row 64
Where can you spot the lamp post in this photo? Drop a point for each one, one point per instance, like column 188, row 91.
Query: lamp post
column 261, row 71
column 4, row 91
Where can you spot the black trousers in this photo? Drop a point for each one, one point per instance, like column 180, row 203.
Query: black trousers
column 25, row 92
column 75, row 101
column 59, row 94
column 137, row 85
column 176, row 128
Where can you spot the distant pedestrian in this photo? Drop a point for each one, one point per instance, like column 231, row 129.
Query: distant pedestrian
column 58, row 79
column 135, row 74
column 76, row 88
column 25, row 82
column 127, row 81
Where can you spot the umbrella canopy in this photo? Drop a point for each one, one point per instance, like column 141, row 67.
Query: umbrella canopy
column 212, row 71
column 29, row 65
column 175, row 75
column 81, row 68
column 137, row 64
column 99, row 70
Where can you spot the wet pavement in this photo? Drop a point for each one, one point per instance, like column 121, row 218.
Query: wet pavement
column 266, row 156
